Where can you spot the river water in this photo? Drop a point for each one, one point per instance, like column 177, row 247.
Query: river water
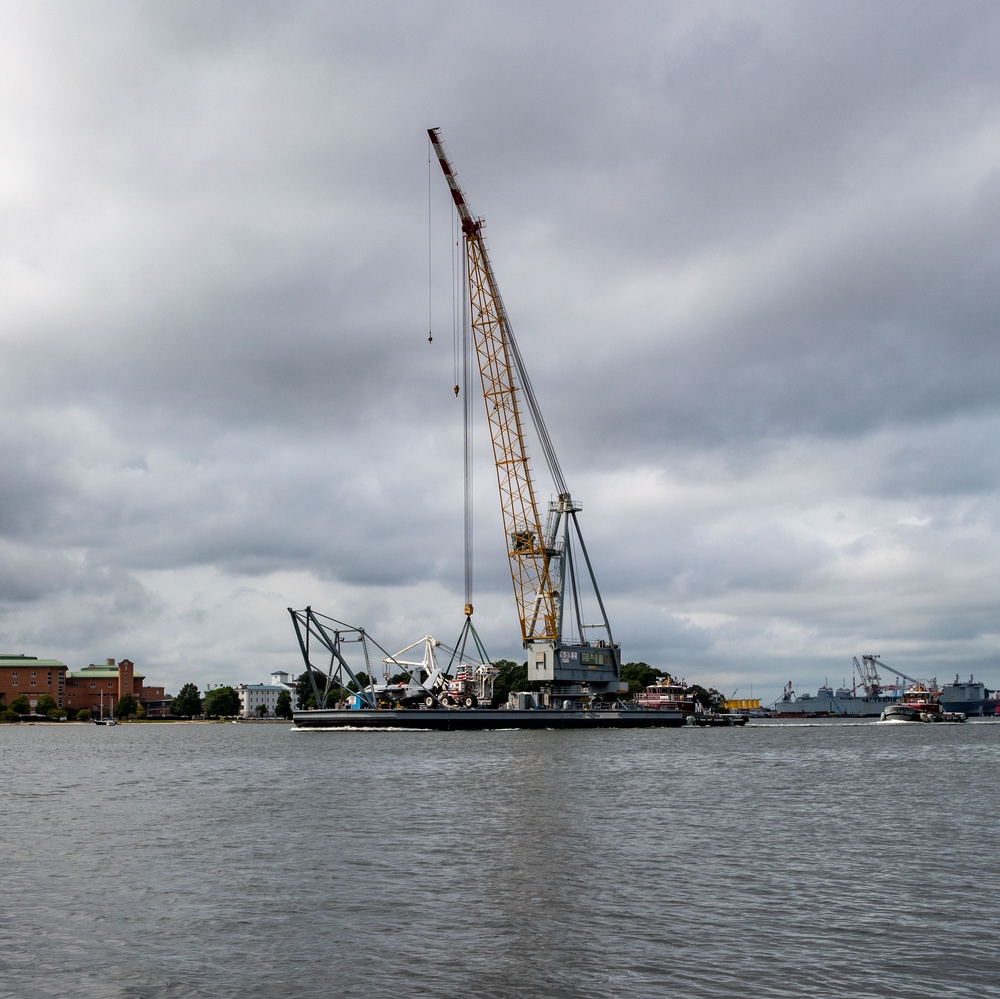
column 252, row 861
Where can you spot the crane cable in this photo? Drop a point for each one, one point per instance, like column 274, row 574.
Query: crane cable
column 430, row 255
column 468, row 465
column 461, row 362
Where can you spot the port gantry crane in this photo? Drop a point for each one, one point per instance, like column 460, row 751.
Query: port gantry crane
column 553, row 591
column 871, row 682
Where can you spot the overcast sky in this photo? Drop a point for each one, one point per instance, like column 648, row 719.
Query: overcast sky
column 750, row 252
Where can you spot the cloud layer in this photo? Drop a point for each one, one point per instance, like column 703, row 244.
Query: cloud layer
column 750, row 254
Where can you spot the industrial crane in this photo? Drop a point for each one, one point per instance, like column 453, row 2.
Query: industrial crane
column 871, row 682
column 555, row 588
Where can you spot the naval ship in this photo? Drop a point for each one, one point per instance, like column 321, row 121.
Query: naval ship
column 869, row 697
column 844, row 702
column 971, row 698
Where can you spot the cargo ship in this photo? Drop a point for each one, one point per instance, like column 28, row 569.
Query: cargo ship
column 971, row 698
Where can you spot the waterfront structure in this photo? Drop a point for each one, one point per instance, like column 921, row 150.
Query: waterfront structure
column 109, row 683
column 33, row 677
column 252, row 695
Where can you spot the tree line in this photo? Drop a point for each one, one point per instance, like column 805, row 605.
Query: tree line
column 46, row 707
column 223, row 702
column 219, row 702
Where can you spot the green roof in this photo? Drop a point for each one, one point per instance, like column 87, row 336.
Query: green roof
column 8, row 660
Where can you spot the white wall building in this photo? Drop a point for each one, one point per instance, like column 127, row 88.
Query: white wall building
column 252, row 695
column 286, row 682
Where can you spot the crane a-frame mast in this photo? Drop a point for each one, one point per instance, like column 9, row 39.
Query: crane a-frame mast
column 543, row 569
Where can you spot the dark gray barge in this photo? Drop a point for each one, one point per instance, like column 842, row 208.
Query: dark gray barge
column 466, row 719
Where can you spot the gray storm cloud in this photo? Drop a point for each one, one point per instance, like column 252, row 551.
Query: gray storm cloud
column 750, row 254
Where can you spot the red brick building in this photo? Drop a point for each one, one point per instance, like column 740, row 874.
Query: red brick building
column 32, row 677
column 93, row 686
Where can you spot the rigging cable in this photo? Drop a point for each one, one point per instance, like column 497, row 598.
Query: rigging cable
column 461, row 360
column 457, row 304
column 467, row 468
column 430, row 253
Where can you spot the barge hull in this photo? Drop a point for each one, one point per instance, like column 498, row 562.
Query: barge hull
column 454, row 720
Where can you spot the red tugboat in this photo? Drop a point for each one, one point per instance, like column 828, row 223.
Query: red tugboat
column 920, row 704
column 666, row 694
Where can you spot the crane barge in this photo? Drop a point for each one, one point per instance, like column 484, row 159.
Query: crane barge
column 573, row 659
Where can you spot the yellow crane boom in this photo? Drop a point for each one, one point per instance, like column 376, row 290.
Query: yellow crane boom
column 527, row 554
column 558, row 601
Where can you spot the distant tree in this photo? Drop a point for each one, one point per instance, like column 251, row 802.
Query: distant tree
column 9, row 715
column 261, row 710
column 222, row 702
column 187, row 704
column 639, row 676
column 46, row 703
column 20, row 705
column 511, row 677
column 55, row 713
column 363, row 680
column 710, row 699
column 305, row 697
column 140, row 710
column 126, row 707
column 304, row 691
column 83, row 715
column 283, row 706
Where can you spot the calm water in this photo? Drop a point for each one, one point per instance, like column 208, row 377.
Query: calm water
column 170, row 862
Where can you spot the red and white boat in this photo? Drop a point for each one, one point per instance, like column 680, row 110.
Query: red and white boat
column 920, row 704
column 666, row 694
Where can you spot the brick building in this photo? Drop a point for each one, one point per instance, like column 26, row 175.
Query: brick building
column 32, row 677
column 108, row 684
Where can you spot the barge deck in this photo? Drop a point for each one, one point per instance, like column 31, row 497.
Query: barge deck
column 456, row 720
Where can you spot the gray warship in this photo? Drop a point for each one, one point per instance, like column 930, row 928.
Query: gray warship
column 970, row 697
column 868, row 697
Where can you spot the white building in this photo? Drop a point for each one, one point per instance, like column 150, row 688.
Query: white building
column 253, row 695
column 286, row 682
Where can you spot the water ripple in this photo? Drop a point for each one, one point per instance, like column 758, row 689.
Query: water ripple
column 772, row 862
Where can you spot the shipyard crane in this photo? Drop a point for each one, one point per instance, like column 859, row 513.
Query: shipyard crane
column 553, row 579
column 867, row 671
column 871, row 682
